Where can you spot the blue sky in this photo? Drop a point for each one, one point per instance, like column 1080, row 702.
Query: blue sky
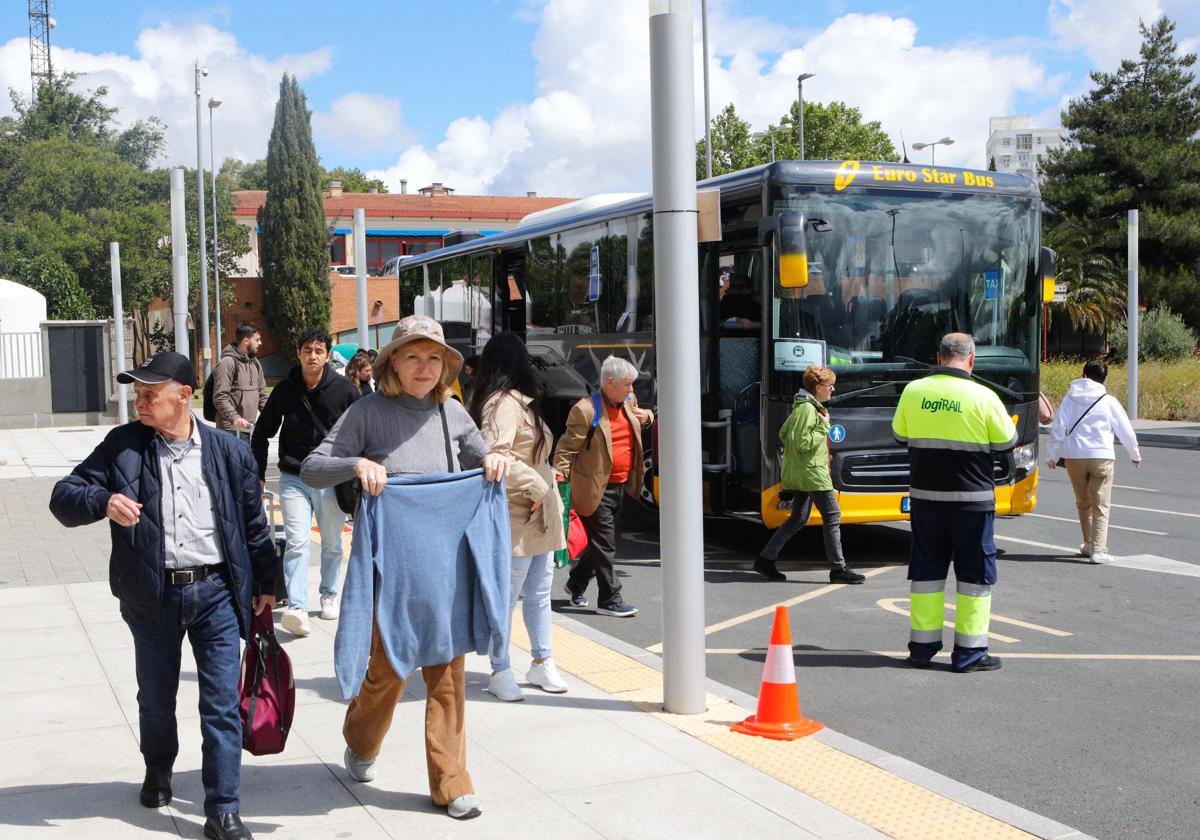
column 507, row 95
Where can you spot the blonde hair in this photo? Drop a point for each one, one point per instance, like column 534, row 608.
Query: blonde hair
column 389, row 386
column 815, row 375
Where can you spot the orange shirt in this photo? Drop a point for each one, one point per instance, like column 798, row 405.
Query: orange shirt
column 622, row 445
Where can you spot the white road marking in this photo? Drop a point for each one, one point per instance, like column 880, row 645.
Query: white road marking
column 1156, row 510
column 1117, row 527
column 1154, row 563
column 1131, row 487
column 1062, row 549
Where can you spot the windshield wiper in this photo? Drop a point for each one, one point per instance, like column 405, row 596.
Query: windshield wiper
column 874, row 386
column 982, row 380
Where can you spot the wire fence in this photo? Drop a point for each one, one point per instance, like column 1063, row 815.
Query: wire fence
column 21, row 355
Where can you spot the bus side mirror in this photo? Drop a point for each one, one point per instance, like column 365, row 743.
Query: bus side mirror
column 792, row 247
column 1049, row 266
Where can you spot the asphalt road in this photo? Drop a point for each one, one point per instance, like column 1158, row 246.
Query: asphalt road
column 1090, row 721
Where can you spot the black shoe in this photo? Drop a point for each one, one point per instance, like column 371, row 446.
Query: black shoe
column 226, row 827
column 766, row 568
column 617, row 608
column 918, row 663
column 988, row 663
column 156, row 789
column 844, row 575
column 577, row 600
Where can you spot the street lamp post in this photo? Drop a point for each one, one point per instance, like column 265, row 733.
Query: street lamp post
column 800, row 110
column 945, row 141
column 214, row 104
column 205, row 343
column 707, row 114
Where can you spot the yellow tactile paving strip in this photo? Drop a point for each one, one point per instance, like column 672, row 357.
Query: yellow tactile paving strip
column 870, row 794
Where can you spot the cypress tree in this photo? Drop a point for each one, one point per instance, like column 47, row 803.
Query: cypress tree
column 292, row 242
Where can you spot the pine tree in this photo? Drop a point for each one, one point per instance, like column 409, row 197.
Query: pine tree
column 292, row 242
column 1133, row 144
column 992, row 164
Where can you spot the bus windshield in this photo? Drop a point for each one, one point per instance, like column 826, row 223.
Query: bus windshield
column 892, row 271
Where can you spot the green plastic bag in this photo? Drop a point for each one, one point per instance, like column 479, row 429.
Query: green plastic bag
column 562, row 556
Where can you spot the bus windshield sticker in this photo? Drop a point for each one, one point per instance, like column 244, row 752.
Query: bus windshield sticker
column 796, row 355
column 837, row 433
column 991, row 285
column 594, row 275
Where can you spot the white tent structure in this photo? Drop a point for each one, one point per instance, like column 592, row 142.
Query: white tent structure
column 22, row 311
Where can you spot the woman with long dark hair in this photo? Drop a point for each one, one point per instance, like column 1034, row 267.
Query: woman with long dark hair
column 506, row 403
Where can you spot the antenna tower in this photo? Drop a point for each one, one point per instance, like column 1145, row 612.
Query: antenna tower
column 40, row 24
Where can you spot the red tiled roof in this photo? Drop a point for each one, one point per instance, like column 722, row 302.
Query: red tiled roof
column 408, row 206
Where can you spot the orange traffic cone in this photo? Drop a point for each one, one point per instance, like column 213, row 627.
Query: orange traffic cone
column 778, row 714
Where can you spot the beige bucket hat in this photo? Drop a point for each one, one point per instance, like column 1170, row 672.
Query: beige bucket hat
column 420, row 328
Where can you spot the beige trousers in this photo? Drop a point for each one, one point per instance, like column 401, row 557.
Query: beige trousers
column 1092, row 480
column 370, row 716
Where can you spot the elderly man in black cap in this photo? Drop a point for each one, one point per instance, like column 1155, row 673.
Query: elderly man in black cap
column 190, row 546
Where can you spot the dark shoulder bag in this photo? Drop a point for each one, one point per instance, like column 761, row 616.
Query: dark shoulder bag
column 348, row 492
column 1062, row 462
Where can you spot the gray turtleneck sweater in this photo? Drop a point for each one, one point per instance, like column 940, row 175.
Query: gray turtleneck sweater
column 402, row 433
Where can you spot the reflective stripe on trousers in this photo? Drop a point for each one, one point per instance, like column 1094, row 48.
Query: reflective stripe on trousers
column 972, row 614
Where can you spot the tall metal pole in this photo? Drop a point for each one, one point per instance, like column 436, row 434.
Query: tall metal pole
column 1132, row 401
column 179, row 266
column 672, row 115
column 205, row 341
column 212, row 166
column 114, row 255
column 360, row 272
column 707, row 114
column 800, row 115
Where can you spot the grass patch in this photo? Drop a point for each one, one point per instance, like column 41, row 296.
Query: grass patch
column 1166, row 390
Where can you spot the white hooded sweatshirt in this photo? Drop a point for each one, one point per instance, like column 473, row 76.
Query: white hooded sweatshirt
column 1093, row 436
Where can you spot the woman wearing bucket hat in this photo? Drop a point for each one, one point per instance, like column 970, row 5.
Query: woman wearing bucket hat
column 403, row 428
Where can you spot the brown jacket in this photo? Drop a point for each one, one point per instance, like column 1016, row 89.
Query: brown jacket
column 588, row 467
column 239, row 387
column 510, row 427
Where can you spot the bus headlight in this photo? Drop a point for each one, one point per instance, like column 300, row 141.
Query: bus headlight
column 1025, row 457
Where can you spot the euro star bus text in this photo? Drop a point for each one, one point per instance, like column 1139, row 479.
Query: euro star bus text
column 934, row 406
column 931, row 176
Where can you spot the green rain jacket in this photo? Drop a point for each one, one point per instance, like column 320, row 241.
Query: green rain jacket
column 805, row 450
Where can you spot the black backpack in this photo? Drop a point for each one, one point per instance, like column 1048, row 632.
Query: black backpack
column 210, row 407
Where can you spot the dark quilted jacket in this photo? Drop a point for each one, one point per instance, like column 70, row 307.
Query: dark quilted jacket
column 126, row 462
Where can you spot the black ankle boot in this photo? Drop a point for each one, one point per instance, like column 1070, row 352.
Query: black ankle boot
column 766, row 567
column 156, row 789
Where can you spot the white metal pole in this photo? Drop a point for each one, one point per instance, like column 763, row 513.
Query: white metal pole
column 360, row 270
column 1133, row 315
column 114, row 254
column 205, row 341
column 179, row 266
column 800, row 116
column 672, row 115
column 212, row 166
column 707, row 112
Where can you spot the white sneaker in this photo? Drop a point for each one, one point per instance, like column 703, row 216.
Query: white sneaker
column 1085, row 550
column 504, row 685
column 464, row 808
column 295, row 621
column 360, row 769
column 546, row 677
column 329, row 607
column 1098, row 557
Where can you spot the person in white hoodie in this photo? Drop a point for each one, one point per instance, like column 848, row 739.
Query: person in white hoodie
column 1082, row 435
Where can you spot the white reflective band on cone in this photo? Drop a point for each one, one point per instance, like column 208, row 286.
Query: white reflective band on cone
column 780, row 668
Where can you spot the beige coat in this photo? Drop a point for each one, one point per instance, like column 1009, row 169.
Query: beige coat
column 589, row 466
column 510, row 427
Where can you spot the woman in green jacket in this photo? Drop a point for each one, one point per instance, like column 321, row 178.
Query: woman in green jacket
column 805, row 436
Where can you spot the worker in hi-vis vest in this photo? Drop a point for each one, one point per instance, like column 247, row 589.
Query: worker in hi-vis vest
column 952, row 425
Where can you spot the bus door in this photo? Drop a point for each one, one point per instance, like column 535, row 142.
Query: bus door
column 509, row 282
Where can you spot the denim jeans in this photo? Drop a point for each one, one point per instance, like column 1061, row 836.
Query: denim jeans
column 831, row 525
column 532, row 578
column 205, row 612
column 299, row 503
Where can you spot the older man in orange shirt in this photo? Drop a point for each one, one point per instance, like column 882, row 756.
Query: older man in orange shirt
column 603, row 460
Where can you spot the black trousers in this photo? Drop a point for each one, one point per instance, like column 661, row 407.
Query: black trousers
column 597, row 559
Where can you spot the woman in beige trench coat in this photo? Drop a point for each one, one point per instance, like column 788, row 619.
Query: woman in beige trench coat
column 506, row 402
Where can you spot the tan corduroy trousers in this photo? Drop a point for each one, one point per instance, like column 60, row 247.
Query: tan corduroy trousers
column 370, row 716
column 1092, row 480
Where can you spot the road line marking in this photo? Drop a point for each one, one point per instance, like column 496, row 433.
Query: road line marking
column 889, row 604
column 1117, row 527
column 791, row 602
column 1131, row 487
column 1154, row 563
column 903, row 654
column 1156, row 510
column 1062, row 549
column 1028, row 625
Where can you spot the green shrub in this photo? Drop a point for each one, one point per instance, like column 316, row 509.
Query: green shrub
column 1162, row 336
column 1166, row 390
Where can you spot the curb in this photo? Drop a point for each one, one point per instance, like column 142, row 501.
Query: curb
column 977, row 800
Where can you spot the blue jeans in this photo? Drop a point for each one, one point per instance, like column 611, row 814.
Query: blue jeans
column 205, row 612
column 299, row 503
column 532, row 578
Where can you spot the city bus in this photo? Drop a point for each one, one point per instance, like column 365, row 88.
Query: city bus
column 856, row 265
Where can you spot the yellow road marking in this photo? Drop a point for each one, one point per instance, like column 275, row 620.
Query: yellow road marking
column 1028, row 625
column 791, row 602
column 889, row 604
column 902, row 654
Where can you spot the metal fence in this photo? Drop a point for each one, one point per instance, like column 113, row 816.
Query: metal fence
column 21, row 355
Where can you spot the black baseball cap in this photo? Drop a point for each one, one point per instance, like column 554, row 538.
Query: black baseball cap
column 161, row 367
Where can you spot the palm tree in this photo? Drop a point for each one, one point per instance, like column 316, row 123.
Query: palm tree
column 1096, row 286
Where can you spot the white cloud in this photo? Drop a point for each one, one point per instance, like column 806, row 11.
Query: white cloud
column 588, row 131
column 360, row 122
column 1107, row 30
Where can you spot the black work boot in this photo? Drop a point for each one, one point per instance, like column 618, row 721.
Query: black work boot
column 156, row 789
column 226, row 827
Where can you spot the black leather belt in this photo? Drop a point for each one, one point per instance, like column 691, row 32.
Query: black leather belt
column 180, row 577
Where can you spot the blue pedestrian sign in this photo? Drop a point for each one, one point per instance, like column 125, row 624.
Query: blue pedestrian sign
column 837, row 433
column 991, row 285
